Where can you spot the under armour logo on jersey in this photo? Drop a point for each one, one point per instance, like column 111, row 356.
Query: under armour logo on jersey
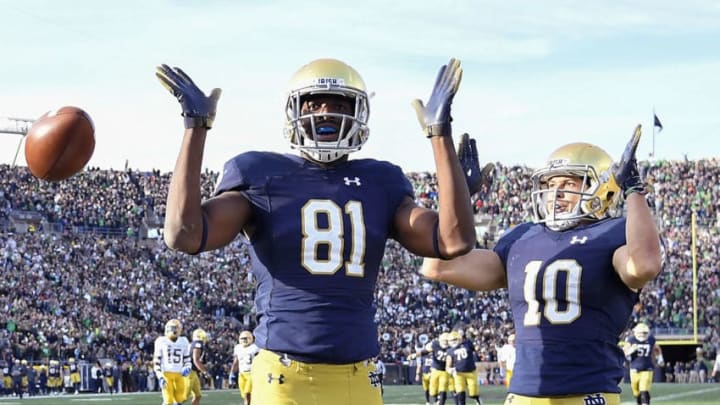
column 280, row 379
column 595, row 399
column 581, row 241
column 355, row 181
column 374, row 379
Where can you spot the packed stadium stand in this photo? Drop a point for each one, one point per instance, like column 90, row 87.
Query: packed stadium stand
column 85, row 273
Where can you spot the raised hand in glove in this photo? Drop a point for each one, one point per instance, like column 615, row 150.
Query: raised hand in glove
column 626, row 172
column 468, row 156
column 197, row 108
column 435, row 117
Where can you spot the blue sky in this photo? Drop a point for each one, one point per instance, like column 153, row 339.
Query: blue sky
column 537, row 74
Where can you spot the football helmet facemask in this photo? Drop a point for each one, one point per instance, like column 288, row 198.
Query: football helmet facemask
column 246, row 338
column 641, row 332
column 199, row 334
column 333, row 78
column 173, row 329
column 599, row 196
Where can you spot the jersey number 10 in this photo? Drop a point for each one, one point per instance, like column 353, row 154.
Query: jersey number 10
column 552, row 311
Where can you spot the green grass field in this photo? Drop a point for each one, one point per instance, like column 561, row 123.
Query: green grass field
column 666, row 394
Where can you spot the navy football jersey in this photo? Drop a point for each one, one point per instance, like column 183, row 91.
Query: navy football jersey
column 319, row 238
column 569, row 307
column 197, row 344
column 427, row 361
column 641, row 359
column 463, row 357
column 438, row 356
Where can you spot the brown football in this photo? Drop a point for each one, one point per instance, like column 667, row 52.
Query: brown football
column 60, row 143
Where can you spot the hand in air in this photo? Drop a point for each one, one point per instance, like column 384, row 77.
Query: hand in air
column 197, row 108
column 435, row 117
column 468, row 156
column 626, row 171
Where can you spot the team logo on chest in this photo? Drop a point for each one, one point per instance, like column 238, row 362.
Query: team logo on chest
column 355, row 181
column 575, row 240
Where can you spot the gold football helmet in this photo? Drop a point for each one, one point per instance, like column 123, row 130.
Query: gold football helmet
column 444, row 340
column 173, row 329
column 246, row 338
column 454, row 339
column 331, row 77
column 599, row 198
column 641, row 332
column 199, row 334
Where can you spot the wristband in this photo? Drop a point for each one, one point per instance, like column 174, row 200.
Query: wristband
column 638, row 188
column 196, row 122
column 442, row 129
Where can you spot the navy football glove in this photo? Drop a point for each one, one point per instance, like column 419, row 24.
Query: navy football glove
column 198, row 109
column 162, row 382
column 626, row 172
column 468, row 156
column 435, row 117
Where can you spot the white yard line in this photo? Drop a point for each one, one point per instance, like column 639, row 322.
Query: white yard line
column 674, row 396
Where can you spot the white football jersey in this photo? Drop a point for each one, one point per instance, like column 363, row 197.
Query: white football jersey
column 171, row 356
column 507, row 354
column 245, row 356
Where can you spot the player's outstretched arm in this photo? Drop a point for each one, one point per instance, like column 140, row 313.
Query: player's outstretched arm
column 450, row 232
column 479, row 270
column 640, row 260
column 190, row 226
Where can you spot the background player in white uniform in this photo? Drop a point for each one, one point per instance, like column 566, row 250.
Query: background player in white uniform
column 243, row 356
column 171, row 362
column 506, row 358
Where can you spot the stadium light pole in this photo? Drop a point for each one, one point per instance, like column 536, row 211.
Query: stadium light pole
column 15, row 126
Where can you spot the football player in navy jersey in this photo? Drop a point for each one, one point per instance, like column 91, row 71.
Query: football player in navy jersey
column 438, row 380
column 573, row 275
column 644, row 353
column 424, row 365
column 317, row 225
column 461, row 366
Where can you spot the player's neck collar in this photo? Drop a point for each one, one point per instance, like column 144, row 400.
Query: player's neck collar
column 329, row 165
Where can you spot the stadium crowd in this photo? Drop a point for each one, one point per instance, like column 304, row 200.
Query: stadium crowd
column 84, row 280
